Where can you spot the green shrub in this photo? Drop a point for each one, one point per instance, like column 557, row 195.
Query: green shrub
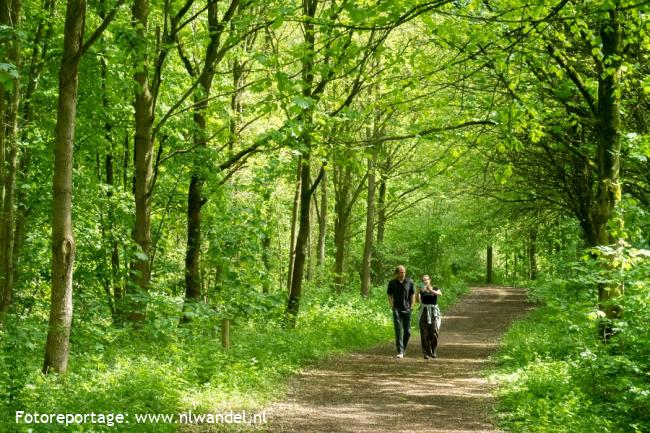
column 555, row 373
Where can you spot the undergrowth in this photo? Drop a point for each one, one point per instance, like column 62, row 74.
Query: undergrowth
column 165, row 368
column 555, row 373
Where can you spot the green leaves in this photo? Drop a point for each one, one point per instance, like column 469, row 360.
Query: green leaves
column 8, row 73
column 303, row 103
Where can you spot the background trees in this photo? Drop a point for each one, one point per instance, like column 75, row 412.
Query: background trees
column 232, row 159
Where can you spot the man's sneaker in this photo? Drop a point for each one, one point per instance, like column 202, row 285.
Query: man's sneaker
column 400, row 355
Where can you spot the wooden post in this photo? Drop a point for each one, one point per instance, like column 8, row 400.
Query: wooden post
column 225, row 333
column 489, row 264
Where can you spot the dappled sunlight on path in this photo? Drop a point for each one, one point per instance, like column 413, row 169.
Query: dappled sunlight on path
column 375, row 392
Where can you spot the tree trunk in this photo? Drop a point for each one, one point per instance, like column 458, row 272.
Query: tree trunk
column 377, row 263
column 266, row 259
column 370, row 224
column 532, row 256
column 11, row 16
column 609, row 128
column 294, row 224
column 40, row 46
column 301, row 241
column 306, row 189
column 236, row 106
column 342, row 210
column 195, row 201
column 340, row 226
column 143, row 148
column 63, row 242
column 115, row 285
column 193, row 250
column 195, row 197
column 309, row 266
column 322, row 223
column 3, row 222
column 118, row 291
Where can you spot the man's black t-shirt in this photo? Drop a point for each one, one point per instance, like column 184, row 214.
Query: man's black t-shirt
column 402, row 293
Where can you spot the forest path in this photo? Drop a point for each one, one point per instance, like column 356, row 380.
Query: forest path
column 373, row 391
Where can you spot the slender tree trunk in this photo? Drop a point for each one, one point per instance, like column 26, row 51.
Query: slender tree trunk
column 118, row 291
column 342, row 179
column 266, row 241
column 340, row 227
column 3, row 152
column 235, row 102
column 294, row 224
column 377, row 263
column 114, row 289
column 63, row 242
column 322, row 223
column 301, row 241
column 195, row 197
column 195, row 201
column 309, row 275
column 11, row 16
column 306, row 189
column 40, row 45
column 381, row 212
column 532, row 255
column 126, row 158
column 143, row 148
column 105, row 277
column 193, row 251
column 370, row 224
column 266, row 259
column 8, row 220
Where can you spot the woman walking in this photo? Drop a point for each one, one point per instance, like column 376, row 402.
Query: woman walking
column 429, row 317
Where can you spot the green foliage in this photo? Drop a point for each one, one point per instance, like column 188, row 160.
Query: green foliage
column 557, row 375
column 166, row 369
column 516, row 185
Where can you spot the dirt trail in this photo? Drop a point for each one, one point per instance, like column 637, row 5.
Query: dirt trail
column 375, row 392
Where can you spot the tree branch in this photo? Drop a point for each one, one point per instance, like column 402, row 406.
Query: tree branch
column 98, row 32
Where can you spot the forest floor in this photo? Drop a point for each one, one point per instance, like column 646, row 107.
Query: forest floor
column 373, row 391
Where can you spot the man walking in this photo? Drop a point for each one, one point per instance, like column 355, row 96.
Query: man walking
column 401, row 297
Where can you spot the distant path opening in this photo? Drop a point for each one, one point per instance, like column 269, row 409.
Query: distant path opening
column 374, row 392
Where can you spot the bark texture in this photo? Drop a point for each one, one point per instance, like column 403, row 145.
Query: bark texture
column 63, row 242
column 143, row 149
column 370, row 224
column 10, row 15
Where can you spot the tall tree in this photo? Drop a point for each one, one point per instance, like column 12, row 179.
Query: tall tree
column 370, row 226
column 215, row 52
column 143, row 160
column 322, row 223
column 10, row 16
column 609, row 128
column 307, row 60
column 148, row 83
column 63, row 242
column 348, row 185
